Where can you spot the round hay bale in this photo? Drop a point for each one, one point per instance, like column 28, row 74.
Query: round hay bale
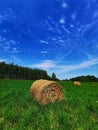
column 77, row 83
column 46, row 91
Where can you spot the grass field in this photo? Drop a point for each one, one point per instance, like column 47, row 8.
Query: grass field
column 78, row 110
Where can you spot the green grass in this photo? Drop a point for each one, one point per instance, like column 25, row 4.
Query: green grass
column 18, row 111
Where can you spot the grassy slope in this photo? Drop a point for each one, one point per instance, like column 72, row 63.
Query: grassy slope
column 78, row 110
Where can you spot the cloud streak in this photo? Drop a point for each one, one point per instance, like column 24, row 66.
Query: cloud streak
column 82, row 65
column 46, row 64
column 49, row 64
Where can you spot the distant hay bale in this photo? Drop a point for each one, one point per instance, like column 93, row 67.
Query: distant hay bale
column 45, row 91
column 77, row 83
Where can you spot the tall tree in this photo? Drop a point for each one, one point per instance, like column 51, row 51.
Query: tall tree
column 53, row 76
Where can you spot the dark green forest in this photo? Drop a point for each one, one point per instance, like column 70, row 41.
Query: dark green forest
column 11, row 71
column 88, row 78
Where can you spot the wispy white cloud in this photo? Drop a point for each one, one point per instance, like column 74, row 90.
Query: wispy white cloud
column 13, row 42
column 66, row 30
column 14, row 50
column 45, row 42
column 60, row 57
column 84, row 28
column 8, row 46
column 82, row 65
column 46, row 64
column 64, row 5
column 58, row 28
column 9, row 13
column 62, row 20
column 87, row 54
column 61, row 69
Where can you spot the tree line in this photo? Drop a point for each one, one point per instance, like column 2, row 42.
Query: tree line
column 88, row 78
column 11, row 71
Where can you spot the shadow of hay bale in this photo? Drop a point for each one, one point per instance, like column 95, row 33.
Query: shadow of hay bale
column 46, row 91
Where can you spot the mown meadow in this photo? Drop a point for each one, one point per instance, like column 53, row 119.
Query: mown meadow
column 77, row 111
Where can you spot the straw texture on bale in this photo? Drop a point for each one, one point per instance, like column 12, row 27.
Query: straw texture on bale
column 77, row 83
column 45, row 91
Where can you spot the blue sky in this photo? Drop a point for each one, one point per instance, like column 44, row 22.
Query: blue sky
column 59, row 36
